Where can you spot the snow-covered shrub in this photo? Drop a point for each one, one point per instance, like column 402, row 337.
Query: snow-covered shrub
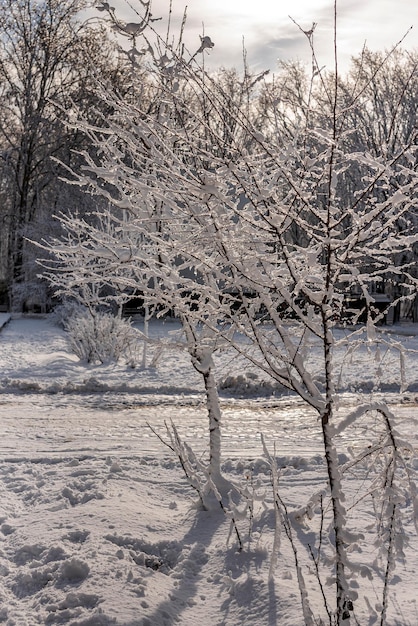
column 101, row 338
column 65, row 311
column 248, row 384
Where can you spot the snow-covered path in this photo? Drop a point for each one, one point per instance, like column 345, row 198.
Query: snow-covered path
column 51, row 425
column 39, row 425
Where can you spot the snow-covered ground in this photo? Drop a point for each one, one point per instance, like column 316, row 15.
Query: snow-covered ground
column 98, row 525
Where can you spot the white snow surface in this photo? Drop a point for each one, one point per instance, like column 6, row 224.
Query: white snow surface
column 98, row 525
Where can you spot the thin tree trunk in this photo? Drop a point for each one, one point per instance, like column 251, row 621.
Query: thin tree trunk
column 339, row 513
column 333, row 470
column 214, row 414
column 146, row 335
column 201, row 356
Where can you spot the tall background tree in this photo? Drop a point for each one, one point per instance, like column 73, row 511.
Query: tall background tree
column 49, row 59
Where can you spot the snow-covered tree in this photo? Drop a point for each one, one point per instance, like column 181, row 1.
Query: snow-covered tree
column 135, row 252
column 384, row 121
column 136, row 248
column 248, row 234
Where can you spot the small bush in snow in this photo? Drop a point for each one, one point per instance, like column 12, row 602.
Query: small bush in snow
column 101, row 338
column 65, row 311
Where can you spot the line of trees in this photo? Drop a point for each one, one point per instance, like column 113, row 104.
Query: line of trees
column 50, row 59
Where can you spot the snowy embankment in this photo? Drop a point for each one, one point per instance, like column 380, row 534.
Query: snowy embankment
column 35, row 357
column 4, row 319
column 97, row 523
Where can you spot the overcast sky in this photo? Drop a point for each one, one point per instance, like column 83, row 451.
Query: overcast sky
column 270, row 34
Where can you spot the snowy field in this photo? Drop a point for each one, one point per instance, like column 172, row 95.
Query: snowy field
column 98, row 525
